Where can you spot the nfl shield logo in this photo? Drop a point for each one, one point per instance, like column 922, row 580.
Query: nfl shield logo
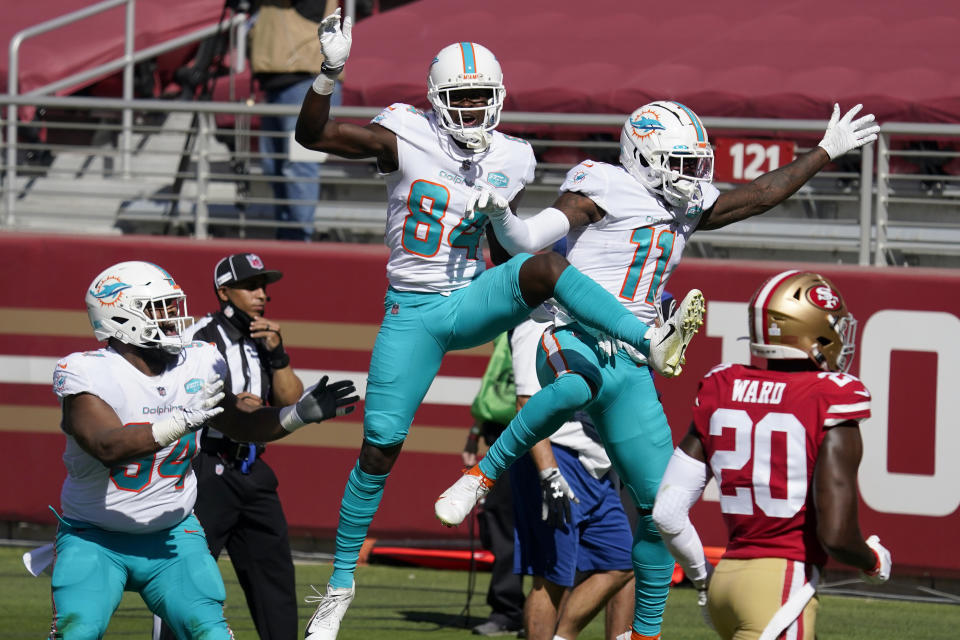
column 255, row 261
column 162, row 391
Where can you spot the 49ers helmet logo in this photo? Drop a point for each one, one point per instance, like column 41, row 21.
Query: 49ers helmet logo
column 824, row 297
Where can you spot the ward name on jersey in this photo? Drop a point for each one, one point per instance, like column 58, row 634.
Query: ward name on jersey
column 155, row 492
column 632, row 250
column 761, row 432
column 432, row 248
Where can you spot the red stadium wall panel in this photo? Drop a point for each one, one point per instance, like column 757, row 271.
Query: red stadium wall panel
column 330, row 304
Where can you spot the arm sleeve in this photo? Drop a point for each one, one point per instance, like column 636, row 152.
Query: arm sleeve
column 532, row 234
column 680, row 488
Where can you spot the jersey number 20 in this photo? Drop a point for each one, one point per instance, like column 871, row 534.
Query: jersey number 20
column 757, row 441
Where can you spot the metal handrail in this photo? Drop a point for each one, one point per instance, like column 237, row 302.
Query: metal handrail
column 864, row 226
column 126, row 62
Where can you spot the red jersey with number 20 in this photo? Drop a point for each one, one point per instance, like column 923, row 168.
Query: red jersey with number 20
column 761, row 431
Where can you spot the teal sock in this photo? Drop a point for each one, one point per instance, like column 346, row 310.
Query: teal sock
column 361, row 497
column 653, row 569
column 543, row 414
column 594, row 306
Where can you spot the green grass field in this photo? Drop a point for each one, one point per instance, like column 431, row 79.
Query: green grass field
column 409, row 603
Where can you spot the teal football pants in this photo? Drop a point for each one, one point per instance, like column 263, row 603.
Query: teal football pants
column 172, row 570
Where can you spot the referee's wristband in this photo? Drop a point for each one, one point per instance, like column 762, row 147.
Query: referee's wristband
column 278, row 358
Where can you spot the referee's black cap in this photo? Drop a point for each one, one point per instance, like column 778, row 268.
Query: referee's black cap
column 242, row 266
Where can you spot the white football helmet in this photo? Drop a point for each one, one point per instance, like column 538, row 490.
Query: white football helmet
column 466, row 65
column 798, row 315
column 664, row 146
column 138, row 303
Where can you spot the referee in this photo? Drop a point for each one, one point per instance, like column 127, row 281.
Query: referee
column 237, row 501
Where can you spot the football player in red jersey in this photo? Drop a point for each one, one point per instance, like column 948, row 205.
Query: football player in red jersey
column 784, row 445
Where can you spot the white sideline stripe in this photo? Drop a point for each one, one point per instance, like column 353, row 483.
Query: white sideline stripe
column 449, row 390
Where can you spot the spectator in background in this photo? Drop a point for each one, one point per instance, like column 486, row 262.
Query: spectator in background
column 788, row 502
column 285, row 57
column 572, row 532
column 131, row 412
column 492, row 409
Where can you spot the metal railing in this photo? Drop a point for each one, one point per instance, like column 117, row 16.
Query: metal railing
column 894, row 213
column 130, row 58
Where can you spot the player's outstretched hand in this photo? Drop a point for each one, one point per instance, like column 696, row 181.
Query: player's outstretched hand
column 320, row 402
column 846, row 134
column 487, row 202
column 323, row 401
column 881, row 572
column 557, row 496
column 335, row 42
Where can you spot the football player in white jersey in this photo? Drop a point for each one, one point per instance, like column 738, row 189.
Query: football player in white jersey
column 788, row 502
column 440, row 297
column 131, row 415
column 626, row 227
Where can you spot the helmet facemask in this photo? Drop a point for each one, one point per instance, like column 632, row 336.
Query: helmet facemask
column 467, row 70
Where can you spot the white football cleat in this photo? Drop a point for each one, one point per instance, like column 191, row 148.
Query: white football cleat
column 455, row 503
column 669, row 341
column 325, row 621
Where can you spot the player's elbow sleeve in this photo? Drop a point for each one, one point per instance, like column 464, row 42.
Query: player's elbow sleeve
column 532, row 234
column 670, row 511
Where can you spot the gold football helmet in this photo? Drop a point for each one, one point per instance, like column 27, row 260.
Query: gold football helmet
column 796, row 315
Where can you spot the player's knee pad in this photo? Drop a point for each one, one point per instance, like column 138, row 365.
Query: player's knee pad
column 571, row 391
column 72, row 627
column 194, row 609
column 648, row 548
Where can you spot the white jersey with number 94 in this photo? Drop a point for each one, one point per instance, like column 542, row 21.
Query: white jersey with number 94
column 159, row 490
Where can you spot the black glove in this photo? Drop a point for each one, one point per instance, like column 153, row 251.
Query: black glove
column 556, row 498
column 320, row 402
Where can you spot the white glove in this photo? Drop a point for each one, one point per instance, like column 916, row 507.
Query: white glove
column 843, row 135
column 335, row 42
column 487, row 202
column 183, row 421
column 884, row 563
column 608, row 344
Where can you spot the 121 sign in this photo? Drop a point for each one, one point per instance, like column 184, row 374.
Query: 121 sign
column 743, row 160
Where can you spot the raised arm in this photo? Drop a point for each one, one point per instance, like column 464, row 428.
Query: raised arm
column 842, row 135
column 315, row 130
